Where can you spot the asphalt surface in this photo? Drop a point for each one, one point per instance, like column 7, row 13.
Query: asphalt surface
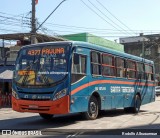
column 113, row 122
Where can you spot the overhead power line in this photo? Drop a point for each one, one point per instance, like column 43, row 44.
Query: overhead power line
column 13, row 23
column 70, row 29
column 98, row 15
column 66, row 29
column 14, row 19
column 115, row 16
column 108, row 17
column 92, row 28
column 50, row 14
column 80, row 27
column 8, row 18
column 14, row 15
column 11, row 30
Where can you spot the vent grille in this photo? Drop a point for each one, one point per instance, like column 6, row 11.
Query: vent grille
column 35, row 92
column 39, row 108
column 36, row 99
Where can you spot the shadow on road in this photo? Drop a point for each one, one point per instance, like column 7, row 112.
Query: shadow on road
column 36, row 122
column 117, row 112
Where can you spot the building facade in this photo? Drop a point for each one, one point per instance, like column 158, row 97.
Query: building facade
column 90, row 38
column 147, row 46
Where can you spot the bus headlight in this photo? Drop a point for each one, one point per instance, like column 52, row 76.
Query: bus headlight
column 14, row 94
column 60, row 94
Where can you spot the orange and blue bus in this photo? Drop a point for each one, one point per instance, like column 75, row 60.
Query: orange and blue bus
column 77, row 77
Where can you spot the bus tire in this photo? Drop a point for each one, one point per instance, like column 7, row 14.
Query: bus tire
column 136, row 108
column 46, row 116
column 93, row 109
column 127, row 109
column 137, row 104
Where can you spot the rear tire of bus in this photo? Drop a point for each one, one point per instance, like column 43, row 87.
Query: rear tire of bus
column 137, row 104
column 93, row 109
column 46, row 116
column 136, row 108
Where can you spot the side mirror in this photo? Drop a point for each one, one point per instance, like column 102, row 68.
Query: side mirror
column 76, row 58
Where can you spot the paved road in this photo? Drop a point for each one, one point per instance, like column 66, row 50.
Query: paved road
column 148, row 119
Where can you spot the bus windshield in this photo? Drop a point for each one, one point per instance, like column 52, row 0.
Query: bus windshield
column 41, row 66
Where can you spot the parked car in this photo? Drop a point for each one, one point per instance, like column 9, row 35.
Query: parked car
column 157, row 90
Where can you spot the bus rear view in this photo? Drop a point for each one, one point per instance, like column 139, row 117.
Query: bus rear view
column 40, row 82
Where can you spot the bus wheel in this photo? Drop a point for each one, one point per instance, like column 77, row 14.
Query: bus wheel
column 93, row 110
column 137, row 104
column 128, row 109
column 46, row 116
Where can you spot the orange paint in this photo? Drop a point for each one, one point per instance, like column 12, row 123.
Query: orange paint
column 46, row 51
column 60, row 106
column 53, row 51
column 26, row 72
column 109, row 82
column 34, row 52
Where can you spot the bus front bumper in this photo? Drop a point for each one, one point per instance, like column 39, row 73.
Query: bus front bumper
column 60, row 106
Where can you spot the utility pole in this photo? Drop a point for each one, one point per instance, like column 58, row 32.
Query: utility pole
column 33, row 31
column 143, row 49
column 33, row 21
column 143, row 46
column 3, row 50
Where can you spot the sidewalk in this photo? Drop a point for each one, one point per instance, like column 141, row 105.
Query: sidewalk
column 6, row 110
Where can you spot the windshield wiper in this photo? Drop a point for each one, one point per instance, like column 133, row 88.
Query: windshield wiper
column 45, row 79
column 26, row 76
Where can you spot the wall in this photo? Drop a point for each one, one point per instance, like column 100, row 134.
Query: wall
column 86, row 37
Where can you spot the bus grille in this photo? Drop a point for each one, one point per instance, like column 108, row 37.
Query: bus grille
column 36, row 99
column 35, row 92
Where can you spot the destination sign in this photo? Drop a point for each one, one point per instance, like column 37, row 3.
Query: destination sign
column 46, row 51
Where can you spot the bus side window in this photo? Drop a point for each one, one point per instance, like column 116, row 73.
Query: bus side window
column 120, row 68
column 95, row 63
column 79, row 70
column 131, row 69
column 149, row 72
column 81, row 67
column 140, row 70
column 108, row 65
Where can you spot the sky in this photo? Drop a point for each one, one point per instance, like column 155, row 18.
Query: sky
column 110, row 19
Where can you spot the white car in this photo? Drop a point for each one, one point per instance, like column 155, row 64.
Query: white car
column 157, row 90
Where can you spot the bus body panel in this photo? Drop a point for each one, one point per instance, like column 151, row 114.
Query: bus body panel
column 81, row 98
column 109, row 100
column 41, row 93
column 60, row 106
column 43, row 97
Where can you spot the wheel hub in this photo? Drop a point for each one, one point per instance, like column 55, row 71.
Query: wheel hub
column 93, row 108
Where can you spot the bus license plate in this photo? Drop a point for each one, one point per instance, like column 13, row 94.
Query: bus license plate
column 33, row 106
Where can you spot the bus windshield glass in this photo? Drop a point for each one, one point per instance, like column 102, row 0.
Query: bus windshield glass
column 41, row 66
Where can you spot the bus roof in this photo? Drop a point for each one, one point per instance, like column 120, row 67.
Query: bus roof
column 96, row 48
